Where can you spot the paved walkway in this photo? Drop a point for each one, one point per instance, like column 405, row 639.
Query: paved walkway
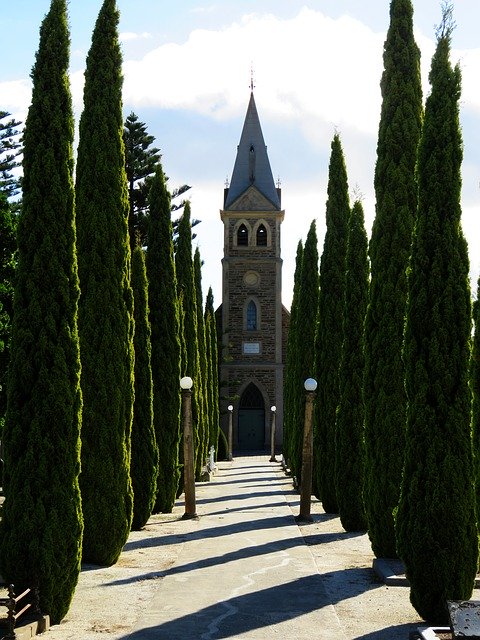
column 246, row 570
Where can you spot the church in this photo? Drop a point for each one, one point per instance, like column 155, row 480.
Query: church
column 252, row 323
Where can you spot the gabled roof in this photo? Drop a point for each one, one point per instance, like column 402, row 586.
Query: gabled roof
column 252, row 167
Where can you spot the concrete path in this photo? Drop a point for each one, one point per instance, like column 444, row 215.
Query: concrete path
column 245, row 570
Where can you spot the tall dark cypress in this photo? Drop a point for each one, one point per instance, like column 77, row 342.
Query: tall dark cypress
column 306, row 324
column 290, row 435
column 328, row 340
column 41, row 526
column 212, row 359
column 187, row 293
column 475, row 385
column 204, row 424
column 105, row 318
column 435, row 521
column 165, row 325
column 396, row 201
column 144, row 464
column 349, row 447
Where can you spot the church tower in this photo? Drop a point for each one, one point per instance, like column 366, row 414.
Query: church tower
column 252, row 320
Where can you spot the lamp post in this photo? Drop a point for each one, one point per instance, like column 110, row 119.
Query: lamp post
column 186, row 384
column 307, row 454
column 230, row 432
column 272, row 435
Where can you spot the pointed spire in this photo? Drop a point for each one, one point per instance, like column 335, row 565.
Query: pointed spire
column 252, row 166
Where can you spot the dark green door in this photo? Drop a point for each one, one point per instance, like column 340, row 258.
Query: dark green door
column 251, row 420
column 251, row 429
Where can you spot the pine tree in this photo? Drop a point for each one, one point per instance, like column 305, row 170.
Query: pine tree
column 188, row 296
column 435, row 522
column 290, row 436
column 306, row 324
column 144, row 464
column 349, row 450
column 328, row 340
column 106, row 322
column 396, row 201
column 41, row 526
column 8, row 245
column 166, row 357
column 141, row 160
column 212, row 359
column 10, row 150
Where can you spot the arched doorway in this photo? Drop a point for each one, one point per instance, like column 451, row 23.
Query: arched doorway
column 251, row 420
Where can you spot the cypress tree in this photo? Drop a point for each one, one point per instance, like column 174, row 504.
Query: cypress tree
column 349, row 451
column 396, row 201
column 306, row 324
column 165, row 324
column 290, row 380
column 435, row 522
column 106, row 302
column 144, row 464
column 204, row 425
column 212, row 359
column 187, row 293
column 41, row 525
column 328, row 340
column 475, row 384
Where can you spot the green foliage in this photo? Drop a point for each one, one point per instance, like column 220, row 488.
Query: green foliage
column 41, row 526
column 204, row 426
column 106, row 322
column 329, row 337
column 290, row 420
column 475, row 385
column 166, row 355
column 188, row 296
column 349, row 450
column 8, row 245
column 140, row 163
column 303, row 367
column 396, row 201
column 435, row 522
column 212, row 361
column 144, row 464
column 10, row 150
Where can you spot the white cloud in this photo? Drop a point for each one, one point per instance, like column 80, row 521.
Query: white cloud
column 15, row 97
column 308, row 67
column 130, row 35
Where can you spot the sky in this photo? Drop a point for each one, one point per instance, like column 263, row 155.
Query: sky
column 316, row 67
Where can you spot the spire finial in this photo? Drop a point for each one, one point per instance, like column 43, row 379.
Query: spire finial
column 252, row 86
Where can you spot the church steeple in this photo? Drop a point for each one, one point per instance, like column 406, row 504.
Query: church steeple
column 252, row 166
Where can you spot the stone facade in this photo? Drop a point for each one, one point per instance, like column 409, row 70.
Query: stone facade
column 252, row 322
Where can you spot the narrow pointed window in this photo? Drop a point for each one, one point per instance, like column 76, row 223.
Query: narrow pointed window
column 251, row 316
column 261, row 236
column 242, row 236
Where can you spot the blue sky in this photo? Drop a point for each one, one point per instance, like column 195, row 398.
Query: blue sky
column 317, row 67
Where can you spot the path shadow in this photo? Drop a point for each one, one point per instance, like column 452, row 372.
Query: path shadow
column 253, row 551
column 396, row 632
column 261, row 609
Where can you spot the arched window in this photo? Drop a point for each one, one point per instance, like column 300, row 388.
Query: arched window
column 261, row 236
column 242, row 236
column 251, row 316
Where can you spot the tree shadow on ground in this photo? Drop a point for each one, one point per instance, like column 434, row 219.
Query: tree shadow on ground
column 264, row 608
column 395, row 632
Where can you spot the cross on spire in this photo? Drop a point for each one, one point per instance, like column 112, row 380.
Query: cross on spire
column 252, row 86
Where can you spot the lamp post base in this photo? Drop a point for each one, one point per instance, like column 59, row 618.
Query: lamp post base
column 190, row 516
column 273, row 459
column 305, row 519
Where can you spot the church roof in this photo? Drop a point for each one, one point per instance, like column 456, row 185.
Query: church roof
column 252, row 167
